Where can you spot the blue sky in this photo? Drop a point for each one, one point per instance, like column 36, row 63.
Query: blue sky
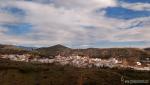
column 22, row 28
column 75, row 23
column 123, row 13
column 136, row 1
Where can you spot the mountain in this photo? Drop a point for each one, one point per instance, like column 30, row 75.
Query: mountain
column 94, row 52
column 131, row 55
column 11, row 49
column 147, row 49
column 128, row 53
column 6, row 46
column 26, row 48
column 54, row 50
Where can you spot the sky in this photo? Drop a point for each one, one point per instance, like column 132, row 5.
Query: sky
column 75, row 23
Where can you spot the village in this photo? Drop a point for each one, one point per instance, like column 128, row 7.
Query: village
column 75, row 60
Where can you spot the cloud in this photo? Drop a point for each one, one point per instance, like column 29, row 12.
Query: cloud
column 84, row 4
column 137, row 6
column 7, row 18
column 71, row 22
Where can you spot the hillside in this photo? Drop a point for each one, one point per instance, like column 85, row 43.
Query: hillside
column 90, row 52
column 54, row 50
column 35, row 73
column 147, row 49
column 95, row 52
column 11, row 49
column 129, row 55
column 20, row 73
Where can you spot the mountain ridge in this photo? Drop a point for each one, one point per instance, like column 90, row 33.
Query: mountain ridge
column 128, row 55
column 91, row 52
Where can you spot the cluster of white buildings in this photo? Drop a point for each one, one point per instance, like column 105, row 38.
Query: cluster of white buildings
column 85, row 61
column 76, row 61
column 13, row 57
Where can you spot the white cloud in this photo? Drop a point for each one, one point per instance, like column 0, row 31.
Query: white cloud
column 137, row 6
column 84, row 4
column 7, row 18
column 65, row 22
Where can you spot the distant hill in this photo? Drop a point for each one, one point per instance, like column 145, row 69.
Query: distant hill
column 12, row 49
column 6, row 46
column 26, row 48
column 130, row 55
column 93, row 52
column 147, row 49
column 54, row 50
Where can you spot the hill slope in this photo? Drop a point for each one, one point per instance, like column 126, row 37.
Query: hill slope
column 20, row 73
column 11, row 49
column 54, row 50
column 94, row 52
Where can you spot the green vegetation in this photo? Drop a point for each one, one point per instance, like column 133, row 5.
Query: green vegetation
column 21, row 73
